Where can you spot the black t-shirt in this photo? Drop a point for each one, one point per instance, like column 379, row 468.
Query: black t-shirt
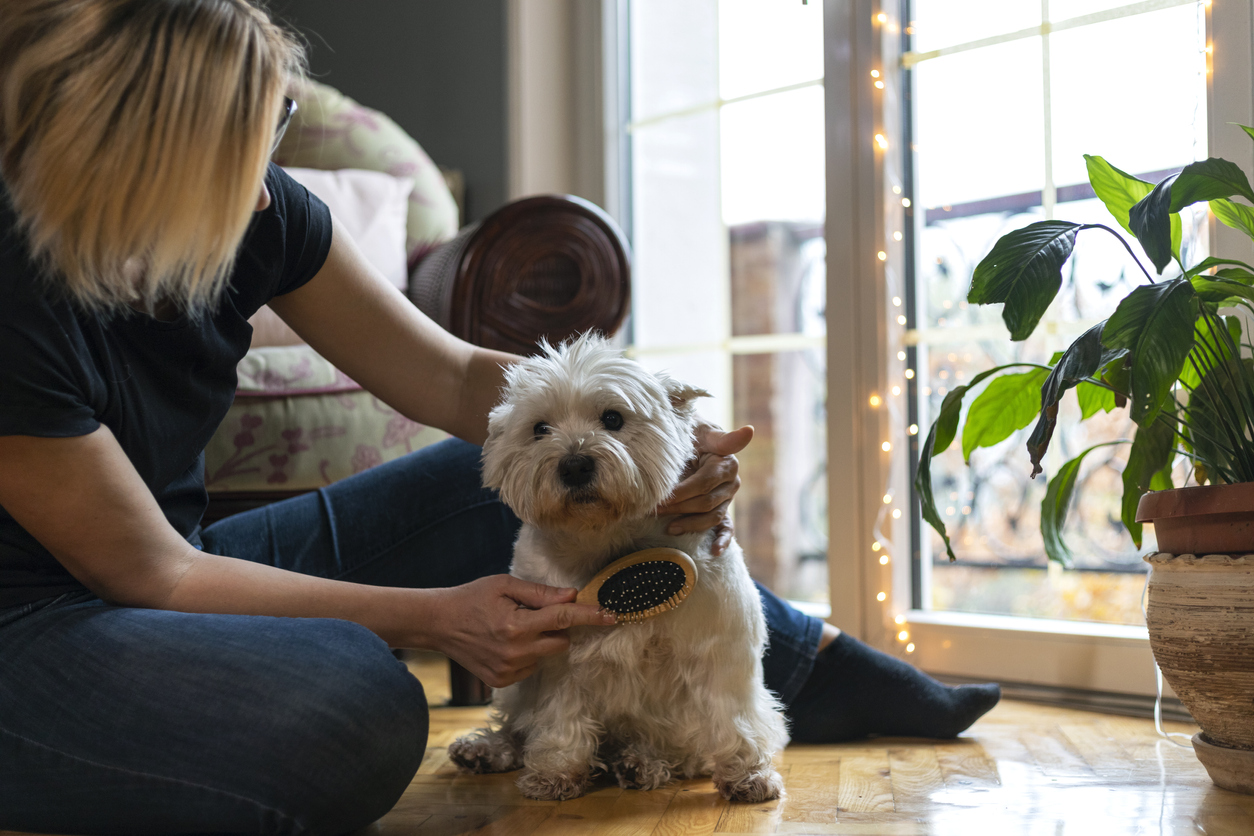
column 162, row 388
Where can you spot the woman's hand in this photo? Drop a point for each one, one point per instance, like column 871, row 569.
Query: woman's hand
column 498, row 627
column 709, row 483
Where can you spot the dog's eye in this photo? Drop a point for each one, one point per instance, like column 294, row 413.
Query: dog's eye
column 612, row 420
column 540, row 429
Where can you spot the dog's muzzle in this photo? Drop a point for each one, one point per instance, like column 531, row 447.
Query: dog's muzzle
column 576, row 471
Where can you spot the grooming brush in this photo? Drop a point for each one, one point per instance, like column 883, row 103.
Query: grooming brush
column 642, row 584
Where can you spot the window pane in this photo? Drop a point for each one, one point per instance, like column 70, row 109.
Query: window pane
column 764, row 44
column 939, row 23
column 980, row 124
column 992, row 507
column 773, row 161
column 674, row 55
column 781, row 509
column 679, row 294
column 1108, row 95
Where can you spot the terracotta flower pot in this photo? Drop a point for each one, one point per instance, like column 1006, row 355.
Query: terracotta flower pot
column 1211, row 519
column 1201, row 626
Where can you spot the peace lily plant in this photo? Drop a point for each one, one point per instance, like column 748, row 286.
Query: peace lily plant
column 1166, row 354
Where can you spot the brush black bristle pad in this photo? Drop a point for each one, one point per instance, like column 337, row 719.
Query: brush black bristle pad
column 642, row 586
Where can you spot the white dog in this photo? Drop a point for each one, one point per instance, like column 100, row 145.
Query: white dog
column 584, row 447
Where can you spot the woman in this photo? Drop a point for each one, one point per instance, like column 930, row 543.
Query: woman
column 160, row 677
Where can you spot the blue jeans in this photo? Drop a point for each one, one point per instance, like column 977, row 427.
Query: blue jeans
column 124, row 720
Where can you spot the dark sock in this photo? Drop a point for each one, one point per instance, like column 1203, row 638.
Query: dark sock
column 856, row 691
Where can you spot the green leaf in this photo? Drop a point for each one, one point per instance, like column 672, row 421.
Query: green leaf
column 1235, row 215
column 1094, row 399
column 1024, row 270
column 1218, row 416
column 1214, row 261
column 1117, row 189
column 1150, row 454
column 1210, row 348
column 1118, row 376
column 1079, row 362
column 1155, row 324
column 1220, row 291
column 1248, row 130
column 1057, row 503
column 1121, row 191
column 939, row 437
column 1150, row 219
column 923, row 486
column 951, row 407
column 1007, row 404
column 1207, row 180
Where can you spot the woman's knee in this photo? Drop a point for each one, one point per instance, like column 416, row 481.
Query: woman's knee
column 365, row 729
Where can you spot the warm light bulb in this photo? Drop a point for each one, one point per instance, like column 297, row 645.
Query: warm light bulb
column 910, row 647
column 901, row 355
column 881, row 140
column 896, row 236
column 903, row 635
column 901, row 320
column 896, row 390
column 875, row 73
column 879, row 85
column 883, row 596
column 883, row 560
column 874, row 400
column 909, row 374
column 897, row 303
column 886, row 446
column 896, row 513
column 914, row 429
column 888, row 497
column 900, row 619
column 896, row 189
column 876, row 546
column 905, row 201
column 882, row 256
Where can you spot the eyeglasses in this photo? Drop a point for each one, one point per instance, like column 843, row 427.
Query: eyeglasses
column 289, row 109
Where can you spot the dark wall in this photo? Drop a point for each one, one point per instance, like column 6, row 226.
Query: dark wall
column 435, row 66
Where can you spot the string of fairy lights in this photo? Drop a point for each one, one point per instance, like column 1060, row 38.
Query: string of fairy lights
column 889, row 509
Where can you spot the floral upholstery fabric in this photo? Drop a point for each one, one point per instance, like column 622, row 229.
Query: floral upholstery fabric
column 299, row 423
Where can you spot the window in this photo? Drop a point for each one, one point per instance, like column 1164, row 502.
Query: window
column 1000, row 99
column 726, row 130
column 1003, row 114
column 798, row 259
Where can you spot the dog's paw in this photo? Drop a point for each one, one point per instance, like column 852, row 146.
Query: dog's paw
column 479, row 754
column 634, row 772
column 751, row 788
column 552, row 787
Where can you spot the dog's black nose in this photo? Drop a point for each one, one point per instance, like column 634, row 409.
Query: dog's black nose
column 576, row 471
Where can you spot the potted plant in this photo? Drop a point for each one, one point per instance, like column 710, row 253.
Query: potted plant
column 1181, row 367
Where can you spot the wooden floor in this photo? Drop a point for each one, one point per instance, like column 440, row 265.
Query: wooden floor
column 1023, row 769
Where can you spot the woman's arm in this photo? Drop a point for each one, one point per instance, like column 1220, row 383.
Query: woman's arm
column 83, row 501
column 368, row 329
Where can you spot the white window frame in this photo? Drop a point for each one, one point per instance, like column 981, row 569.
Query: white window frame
column 862, row 343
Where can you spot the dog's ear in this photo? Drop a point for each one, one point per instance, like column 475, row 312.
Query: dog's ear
column 682, row 396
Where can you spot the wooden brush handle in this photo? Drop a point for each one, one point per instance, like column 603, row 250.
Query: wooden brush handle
column 588, row 595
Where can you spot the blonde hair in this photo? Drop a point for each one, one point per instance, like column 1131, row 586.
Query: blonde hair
column 137, row 132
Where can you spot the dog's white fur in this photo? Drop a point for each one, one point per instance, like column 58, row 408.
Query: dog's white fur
column 680, row 694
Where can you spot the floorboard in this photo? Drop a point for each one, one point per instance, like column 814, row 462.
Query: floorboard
column 1022, row 769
